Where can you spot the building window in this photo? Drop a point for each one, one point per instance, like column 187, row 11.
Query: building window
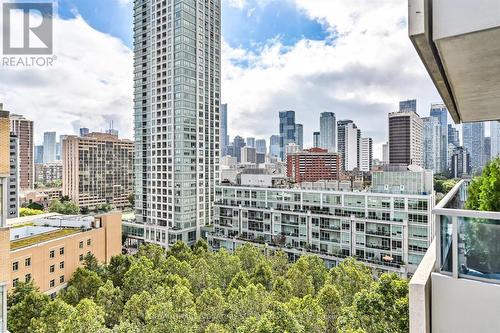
column 15, row 266
column 61, row 251
column 81, row 257
column 27, row 262
column 52, row 283
column 61, row 279
column 81, row 245
column 52, row 268
column 61, row 265
column 89, row 242
column 27, row 278
column 52, row 253
column 15, row 282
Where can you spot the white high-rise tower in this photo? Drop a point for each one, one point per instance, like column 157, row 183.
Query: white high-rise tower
column 177, row 99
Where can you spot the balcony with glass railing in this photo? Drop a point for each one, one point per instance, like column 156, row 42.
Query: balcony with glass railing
column 456, row 288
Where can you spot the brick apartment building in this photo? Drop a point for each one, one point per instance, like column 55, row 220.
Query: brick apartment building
column 312, row 165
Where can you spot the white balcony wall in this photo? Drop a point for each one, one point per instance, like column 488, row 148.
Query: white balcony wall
column 464, row 306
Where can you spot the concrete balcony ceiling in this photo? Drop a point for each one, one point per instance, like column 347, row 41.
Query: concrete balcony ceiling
column 459, row 44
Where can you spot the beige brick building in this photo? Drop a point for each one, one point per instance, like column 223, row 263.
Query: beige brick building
column 98, row 169
column 4, row 230
column 48, row 250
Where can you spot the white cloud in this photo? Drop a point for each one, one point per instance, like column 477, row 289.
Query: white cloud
column 360, row 72
column 124, row 2
column 89, row 85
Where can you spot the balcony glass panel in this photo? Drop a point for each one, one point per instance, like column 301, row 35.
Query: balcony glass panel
column 446, row 237
column 479, row 247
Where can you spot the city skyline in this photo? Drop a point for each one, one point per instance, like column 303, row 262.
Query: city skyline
column 246, row 65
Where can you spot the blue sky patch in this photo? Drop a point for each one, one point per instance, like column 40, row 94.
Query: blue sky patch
column 249, row 27
column 254, row 24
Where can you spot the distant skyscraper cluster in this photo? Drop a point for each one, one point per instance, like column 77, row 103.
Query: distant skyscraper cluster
column 429, row 142
column 342, row 137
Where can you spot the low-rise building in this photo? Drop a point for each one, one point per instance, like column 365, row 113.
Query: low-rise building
column 48, row 250
column 389, row 232
column 43, row 197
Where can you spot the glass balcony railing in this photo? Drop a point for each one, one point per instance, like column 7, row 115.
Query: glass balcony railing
column 468, row 241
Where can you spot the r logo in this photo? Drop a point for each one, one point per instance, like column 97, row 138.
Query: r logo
column 27, row 28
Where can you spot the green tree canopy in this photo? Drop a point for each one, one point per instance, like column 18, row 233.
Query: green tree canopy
column 185, row 290
column 484, row 190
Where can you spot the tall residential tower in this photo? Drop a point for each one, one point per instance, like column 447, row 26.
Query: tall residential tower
column 177, row 46
column 327, row 129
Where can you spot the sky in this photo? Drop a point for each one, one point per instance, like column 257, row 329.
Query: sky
column 350, row 57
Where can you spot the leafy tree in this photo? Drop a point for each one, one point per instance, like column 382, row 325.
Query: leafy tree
column 484, row 190
column 140, row 277
column 180, row 251
column 90, row 262
column 314, row 267
column 282, row 290
column 240, row 280
column 329, row 300
column 301, row 282
column 63, row 206
column 263, row 274
column 279, row 263
column 50, row 317
column 216, row 328
column 21, row 290
column 350, row 277
column 228, row 266
column 199, row 291
column 29, row 212
column 127, row 327
column 200, row 246
column 35, row 206
column 131, row 199
column 117, row 268
column 110, row 298
column 177, row 315
column 83, row 284
column 308, row 313
column 367, row 313
column 277, row 319
column 88, row 318
column 249, row 256
column 211, row 306
column 136, row 308
column 250, row 301
column 30, row 307
column 182, row 268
